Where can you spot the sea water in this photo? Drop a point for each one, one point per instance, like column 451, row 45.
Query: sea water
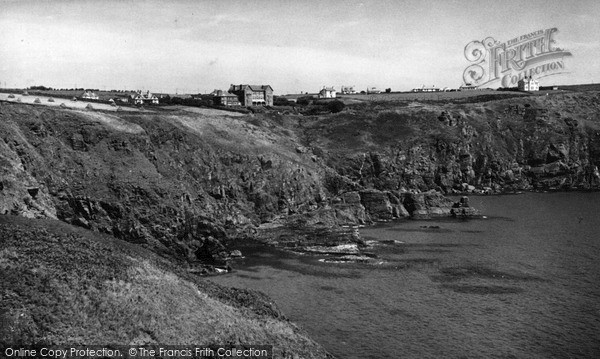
column 522, row 283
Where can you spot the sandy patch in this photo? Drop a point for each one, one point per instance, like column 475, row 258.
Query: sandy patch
column 113, row 122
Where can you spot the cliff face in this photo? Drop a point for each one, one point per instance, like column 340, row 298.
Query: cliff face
column 168, row 180
column 183, row 181
column 525, row 143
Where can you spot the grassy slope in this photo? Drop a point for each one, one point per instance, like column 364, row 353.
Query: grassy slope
column 66, row 285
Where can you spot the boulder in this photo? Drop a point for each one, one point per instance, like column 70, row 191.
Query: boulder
column 301, row 149
column 462, row 209
column 464, row 212
column 235, row 253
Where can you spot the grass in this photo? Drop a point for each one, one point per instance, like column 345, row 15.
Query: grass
column 65, row 285
column 428, row 96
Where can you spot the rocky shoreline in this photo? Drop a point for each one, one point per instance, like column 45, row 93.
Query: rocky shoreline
column 342, row 242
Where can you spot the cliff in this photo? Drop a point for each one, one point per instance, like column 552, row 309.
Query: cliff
column 522, row 143
column 184, row 182
column 187, row 183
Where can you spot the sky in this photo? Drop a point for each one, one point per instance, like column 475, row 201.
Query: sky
column 293, row 45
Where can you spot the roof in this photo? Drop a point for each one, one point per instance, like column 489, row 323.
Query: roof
column 252, row 87
column 222, row 93
column 146, row 96
column 260, row 87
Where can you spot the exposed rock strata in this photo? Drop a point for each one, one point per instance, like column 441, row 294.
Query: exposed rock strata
column 178, row 182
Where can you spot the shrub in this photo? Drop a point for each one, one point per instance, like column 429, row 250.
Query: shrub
column 281, row 101
column 335, row 184
column 304, row 101
column 335, row 106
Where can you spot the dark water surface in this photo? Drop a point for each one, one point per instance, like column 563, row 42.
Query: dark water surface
column 523, row 283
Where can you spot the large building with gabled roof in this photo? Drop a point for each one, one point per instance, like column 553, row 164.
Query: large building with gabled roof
column 253, row 95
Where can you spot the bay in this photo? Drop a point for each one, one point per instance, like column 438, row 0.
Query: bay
column 522, row 283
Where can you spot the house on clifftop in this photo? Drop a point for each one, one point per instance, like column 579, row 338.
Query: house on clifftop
column 144, row 98
column 224, row 98
column 89, row 95
column 528, row 84
column 253, row 95
column 327, row 92
column 467, row 87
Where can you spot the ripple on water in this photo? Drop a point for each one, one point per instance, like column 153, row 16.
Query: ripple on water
column 482, row 289
column 455, row 273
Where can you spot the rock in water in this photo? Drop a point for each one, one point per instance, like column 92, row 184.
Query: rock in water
column 462, row 209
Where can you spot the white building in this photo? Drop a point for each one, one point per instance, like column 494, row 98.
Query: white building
column 141, row 98
column 528, row 84
column 327, row 92
column 467, row 87
column 89, row 95
column 426, row 89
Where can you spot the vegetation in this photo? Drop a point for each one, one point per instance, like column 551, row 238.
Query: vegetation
column 304, row 100
column 66, row 285
column 282, row 101
column 335, row 106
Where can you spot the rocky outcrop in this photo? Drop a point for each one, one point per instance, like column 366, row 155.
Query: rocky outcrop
column 433, row 204
column 524, row 143
column 462, row 209
column 427, row 205
column 382, row 205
